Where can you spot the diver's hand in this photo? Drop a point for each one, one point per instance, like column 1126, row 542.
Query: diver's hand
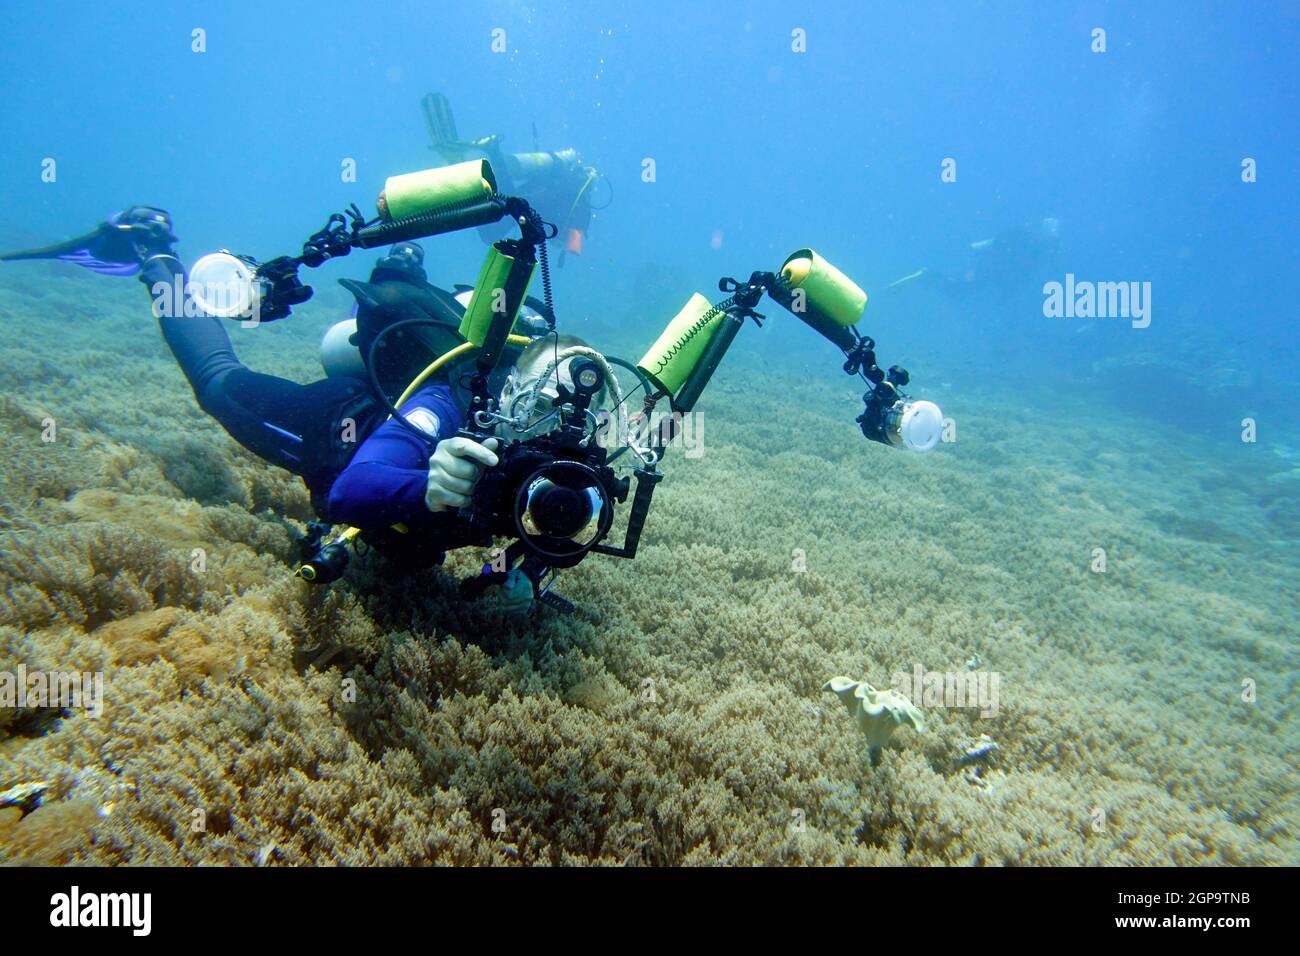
column 517, row 593
column 454, row 469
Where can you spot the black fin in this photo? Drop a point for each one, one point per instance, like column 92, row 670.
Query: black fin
column 441, row 124
column 57, row 250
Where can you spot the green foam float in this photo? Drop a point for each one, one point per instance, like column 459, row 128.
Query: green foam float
column 682, row 344
column 412, row 194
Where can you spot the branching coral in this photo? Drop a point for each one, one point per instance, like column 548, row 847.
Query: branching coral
column 677, row 718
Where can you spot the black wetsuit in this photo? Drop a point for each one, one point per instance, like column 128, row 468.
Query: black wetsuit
column 298, row 427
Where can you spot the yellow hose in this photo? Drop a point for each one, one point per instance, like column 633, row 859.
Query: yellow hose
column 433, row 366
column 443, row 359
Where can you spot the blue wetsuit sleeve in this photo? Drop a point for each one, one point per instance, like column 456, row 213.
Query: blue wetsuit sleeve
column 385, row 482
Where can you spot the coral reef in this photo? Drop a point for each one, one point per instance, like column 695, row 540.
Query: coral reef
column 677, row 718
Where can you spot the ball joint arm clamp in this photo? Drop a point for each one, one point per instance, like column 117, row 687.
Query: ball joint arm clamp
column 859, row 350
column 280, row 289
column 885, row 392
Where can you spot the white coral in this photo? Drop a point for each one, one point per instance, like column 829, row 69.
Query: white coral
column 877, row 713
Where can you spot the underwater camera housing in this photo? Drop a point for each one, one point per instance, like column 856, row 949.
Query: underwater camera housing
column 554, row 492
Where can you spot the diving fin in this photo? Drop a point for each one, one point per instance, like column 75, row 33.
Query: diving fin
column 116, row 247
column 906, row 279
column 443, row 137
column 78, row 252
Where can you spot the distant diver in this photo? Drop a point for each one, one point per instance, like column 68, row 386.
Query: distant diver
column 558, row 184
column 453, row 419
column 1012, row 260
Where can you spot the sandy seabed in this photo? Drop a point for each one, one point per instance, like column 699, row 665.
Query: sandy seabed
column 1146, row 714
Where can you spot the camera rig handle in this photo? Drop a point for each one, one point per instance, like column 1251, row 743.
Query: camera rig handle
column 647, row 479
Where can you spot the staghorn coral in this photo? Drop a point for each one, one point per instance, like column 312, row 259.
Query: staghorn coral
column 677, row 718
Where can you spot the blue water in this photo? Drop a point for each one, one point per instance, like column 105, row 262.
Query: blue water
column 1137, row 151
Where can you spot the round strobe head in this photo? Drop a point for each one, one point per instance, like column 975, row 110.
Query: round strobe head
column 921, row 425
column 223, row 286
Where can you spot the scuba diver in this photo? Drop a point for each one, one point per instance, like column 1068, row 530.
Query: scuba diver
column 360, row 470
column 992, row 299
column 1009, row 262
column 454, row 419
column 558, row 184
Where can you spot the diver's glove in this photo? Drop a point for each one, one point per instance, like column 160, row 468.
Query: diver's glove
column 454, row 468
column 517, row 593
